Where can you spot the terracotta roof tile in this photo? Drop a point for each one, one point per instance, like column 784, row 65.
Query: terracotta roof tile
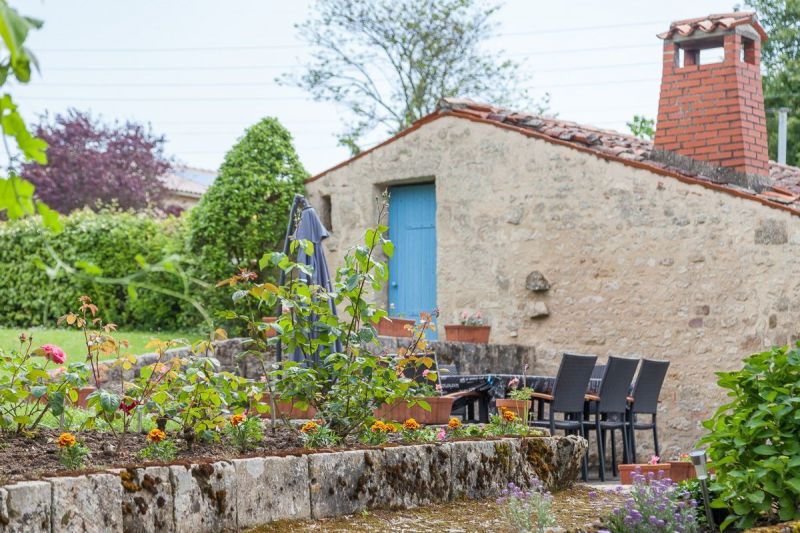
column 711, row 23
column 784, row 181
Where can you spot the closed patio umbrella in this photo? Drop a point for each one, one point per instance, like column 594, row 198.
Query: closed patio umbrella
column 309, row 228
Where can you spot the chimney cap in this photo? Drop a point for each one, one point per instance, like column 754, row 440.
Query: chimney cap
column 709, row 24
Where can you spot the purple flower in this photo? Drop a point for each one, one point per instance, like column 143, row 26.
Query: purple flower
column 592, row 495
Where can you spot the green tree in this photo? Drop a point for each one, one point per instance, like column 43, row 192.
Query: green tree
column 245, row 212
column 642, row 127
column 781, row 60
column 390, row 61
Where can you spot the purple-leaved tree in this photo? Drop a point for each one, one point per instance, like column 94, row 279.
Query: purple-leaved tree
column 90, row 163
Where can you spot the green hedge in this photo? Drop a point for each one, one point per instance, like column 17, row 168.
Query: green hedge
column 110, row 240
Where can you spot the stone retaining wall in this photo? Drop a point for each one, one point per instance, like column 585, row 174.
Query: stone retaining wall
column 244, row 493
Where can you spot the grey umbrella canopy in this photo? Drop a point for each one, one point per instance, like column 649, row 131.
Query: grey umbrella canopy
column 309, row 228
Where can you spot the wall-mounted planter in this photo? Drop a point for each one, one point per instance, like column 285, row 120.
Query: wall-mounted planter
column 473, row 334
column 394, row 327
column 399, row 411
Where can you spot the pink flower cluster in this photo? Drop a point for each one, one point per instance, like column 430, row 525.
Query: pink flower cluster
column 54, row 353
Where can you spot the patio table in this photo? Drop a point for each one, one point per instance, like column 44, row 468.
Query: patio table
column 493, row 386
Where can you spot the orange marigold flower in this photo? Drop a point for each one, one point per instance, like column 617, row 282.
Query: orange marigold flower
column 237, row 419
column 507, row 414
column 156, row 435
column 66, row 440
column 378, row 427
column 309, row 427
column 454, row 423
column 411, row 425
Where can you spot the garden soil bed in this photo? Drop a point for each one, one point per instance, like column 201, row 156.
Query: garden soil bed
column 32, row 457
column 576, row 509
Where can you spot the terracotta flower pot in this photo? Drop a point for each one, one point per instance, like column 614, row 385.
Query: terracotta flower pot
column 681, row 471
column 399, row 411
column 269, row 320
column 83, row 393
column 394, row 327
column 286, row 409
column 521, row 408
column 473, row 334
column 626, row 471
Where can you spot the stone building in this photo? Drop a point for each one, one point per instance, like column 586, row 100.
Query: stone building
column 183, row 186
column 573, row 238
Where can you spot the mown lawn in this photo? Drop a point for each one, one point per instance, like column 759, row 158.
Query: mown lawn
column 72, row 341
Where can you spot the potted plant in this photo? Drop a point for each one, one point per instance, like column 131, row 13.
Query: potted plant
column 395, row 327
column 425, row 401
column 653, row 466
column 471, row 328
column 269, row 332
column 519, row 399
column 682, row 470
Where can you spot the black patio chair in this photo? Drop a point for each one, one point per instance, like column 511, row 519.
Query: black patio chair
column 567, row 398
column 644, row 401
column 598, row 371
column 609, row 408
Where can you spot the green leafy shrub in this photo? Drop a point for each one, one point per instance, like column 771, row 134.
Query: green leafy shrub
column 106, row 243
column 753, row 440
column 246, row 210
column 343, row 372
column 29, row 387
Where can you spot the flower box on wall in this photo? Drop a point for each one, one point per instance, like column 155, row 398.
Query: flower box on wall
column 463, row 333
column 395, row 327
column 399, row 411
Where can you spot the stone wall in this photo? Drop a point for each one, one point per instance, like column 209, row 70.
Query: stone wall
column 244, row 493
column 564, row 251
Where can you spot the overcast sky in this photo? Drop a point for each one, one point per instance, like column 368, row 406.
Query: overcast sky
column 201, row 71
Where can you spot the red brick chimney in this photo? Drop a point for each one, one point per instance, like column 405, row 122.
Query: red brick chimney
column 711, row 107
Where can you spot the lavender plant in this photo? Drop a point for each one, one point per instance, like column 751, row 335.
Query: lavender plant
column 527, row 510
column 656, row 503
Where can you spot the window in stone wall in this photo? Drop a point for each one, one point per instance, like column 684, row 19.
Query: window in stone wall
column 325, row 212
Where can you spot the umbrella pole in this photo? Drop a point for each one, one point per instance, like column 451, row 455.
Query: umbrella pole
column 290, row 227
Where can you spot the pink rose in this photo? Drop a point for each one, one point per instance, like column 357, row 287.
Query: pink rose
column 54, row 353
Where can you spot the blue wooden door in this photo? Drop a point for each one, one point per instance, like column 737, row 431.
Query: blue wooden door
column 412, row 269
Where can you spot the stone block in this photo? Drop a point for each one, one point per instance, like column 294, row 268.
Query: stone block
column 416, row 475
column 87, row 503
column 556, row 461
column 536, row 282
column 345, row 482
column 481, row 468
column 25, row 507
column 771, row 231
column 205, row 497
column 270, row 489
column 147, row 500
column 537, row 310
